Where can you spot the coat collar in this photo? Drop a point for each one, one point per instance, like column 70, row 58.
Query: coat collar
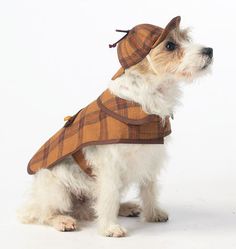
column 118, row 108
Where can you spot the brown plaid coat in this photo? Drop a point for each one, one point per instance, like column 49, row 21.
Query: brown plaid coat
column 107, row 120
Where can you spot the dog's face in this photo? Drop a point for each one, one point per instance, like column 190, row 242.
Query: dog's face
column 178, row 58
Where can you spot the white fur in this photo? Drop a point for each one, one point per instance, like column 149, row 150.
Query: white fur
column 57, row 191
column 155, row 97
column 193, row 62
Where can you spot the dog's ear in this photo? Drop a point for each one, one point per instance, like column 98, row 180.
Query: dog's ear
column 186, row 34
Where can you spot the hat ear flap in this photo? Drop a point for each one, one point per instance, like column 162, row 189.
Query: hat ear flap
column 118, row 73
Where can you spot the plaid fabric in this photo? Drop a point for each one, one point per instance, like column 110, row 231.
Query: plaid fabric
column 139, row 42
column 107, row 120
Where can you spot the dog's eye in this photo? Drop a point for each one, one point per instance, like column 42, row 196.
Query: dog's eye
column 170, row 46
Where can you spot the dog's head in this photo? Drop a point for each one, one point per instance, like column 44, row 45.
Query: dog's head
column 149, row 77
column 177, row 58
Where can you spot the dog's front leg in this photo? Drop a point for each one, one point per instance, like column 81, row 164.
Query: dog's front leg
column 151, row 211
column 108, row 203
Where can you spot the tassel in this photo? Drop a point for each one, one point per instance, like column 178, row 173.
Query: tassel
column 70, row 119
column 67, row 118
column 119, row 30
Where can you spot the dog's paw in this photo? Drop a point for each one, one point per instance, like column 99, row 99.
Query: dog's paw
column 157, row 216
column 65, row 223
column 129, row 209
column 114, row 231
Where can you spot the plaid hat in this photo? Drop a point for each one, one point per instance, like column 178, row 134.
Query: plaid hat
column 138, row 42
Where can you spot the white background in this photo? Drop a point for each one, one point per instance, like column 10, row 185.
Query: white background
column 54, row 59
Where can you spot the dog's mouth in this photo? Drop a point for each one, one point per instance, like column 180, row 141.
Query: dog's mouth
column 204, row 67
column 207, row 64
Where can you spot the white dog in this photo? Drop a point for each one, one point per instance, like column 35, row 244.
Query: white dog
column 64, row 194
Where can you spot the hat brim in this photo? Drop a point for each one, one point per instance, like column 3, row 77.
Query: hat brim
column 174, row 23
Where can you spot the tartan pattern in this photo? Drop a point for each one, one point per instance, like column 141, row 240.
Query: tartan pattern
column 107, row 120
column 137, row 44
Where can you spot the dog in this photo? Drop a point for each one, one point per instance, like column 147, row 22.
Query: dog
column 64, row 194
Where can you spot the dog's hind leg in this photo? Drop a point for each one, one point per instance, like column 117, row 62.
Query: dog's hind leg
column 129, row 209
column 63, row 223
column 49, row 203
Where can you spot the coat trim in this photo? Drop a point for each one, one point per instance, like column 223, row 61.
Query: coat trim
column 115, row 141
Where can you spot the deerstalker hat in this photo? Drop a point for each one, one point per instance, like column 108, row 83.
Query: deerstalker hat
column 138, row 42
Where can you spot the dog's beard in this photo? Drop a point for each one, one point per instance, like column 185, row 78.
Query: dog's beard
column 197, row 67
column 205, row 68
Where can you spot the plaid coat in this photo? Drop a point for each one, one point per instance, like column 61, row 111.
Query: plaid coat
column 107, row 120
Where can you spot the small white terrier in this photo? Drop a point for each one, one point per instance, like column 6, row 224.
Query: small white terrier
column 64, row 194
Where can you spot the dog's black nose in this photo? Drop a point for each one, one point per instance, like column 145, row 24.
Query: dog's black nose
column 208, row 52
